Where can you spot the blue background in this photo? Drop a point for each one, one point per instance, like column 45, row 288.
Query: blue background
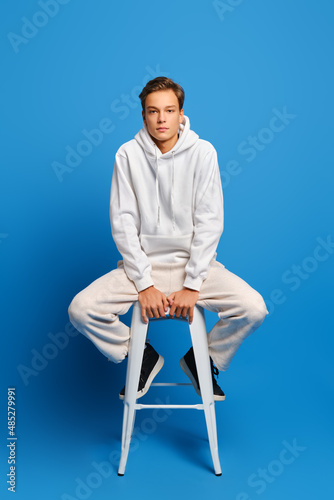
column 239, row 64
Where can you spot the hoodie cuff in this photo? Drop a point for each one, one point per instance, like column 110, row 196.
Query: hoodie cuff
column 193, row 283
column 143, row 283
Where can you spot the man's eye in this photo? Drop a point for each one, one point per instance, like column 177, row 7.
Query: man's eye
column 152, row 111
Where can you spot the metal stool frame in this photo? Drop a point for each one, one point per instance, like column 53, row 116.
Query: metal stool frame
column 198, row 335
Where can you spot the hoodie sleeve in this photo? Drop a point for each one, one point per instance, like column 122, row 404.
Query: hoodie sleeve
column 125, row 225
column 208, row 221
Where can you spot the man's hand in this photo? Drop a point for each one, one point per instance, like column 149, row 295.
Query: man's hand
column 153, row 303
column 182, row 303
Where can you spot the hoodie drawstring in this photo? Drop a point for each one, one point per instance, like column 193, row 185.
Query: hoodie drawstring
column 157, row 189
column 172, row 193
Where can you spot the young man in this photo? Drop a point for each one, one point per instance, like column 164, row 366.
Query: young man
column 166, row 213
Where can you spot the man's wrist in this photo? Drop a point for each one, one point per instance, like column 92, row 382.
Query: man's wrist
column 144, row 289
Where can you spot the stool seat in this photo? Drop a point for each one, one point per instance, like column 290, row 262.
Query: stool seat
column 138, row 336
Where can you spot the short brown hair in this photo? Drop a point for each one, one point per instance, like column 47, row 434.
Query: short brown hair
column 162, row 83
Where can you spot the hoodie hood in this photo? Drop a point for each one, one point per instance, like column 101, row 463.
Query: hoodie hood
column 187, row 138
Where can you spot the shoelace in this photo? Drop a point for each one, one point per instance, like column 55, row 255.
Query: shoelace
column 142, row 373
column 142, row 376
column 214, row 372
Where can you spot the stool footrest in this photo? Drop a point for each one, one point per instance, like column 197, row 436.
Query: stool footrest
column 170, row 383
column 192, row 407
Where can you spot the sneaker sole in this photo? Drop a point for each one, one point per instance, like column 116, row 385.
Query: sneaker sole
column 187, row 371
column 157, row 367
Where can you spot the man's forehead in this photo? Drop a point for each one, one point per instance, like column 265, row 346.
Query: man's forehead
column 167, row 97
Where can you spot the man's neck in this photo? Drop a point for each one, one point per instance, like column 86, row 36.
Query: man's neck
column 166, row 146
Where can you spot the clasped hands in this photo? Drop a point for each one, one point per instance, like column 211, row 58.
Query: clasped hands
column 155, row 304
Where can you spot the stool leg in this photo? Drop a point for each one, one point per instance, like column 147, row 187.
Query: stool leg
column 201, row 353
column 135, row 358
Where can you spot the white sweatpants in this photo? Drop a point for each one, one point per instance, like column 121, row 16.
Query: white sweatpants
column 95, row 310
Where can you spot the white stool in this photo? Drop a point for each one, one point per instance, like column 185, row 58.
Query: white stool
column 135, row 356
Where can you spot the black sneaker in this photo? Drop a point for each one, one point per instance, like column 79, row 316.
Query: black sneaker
column 188, row 365
column 152, row 364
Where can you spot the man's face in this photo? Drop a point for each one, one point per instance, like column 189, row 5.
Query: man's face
column 162, row 115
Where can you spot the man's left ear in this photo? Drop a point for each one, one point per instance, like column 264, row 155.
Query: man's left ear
column 181, row 116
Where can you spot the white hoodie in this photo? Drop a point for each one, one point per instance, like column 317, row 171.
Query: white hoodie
column 166, row 207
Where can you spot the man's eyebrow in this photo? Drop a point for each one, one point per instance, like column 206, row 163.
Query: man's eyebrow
column 171, row 106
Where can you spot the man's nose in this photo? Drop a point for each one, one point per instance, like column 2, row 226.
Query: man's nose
column 161, row 117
